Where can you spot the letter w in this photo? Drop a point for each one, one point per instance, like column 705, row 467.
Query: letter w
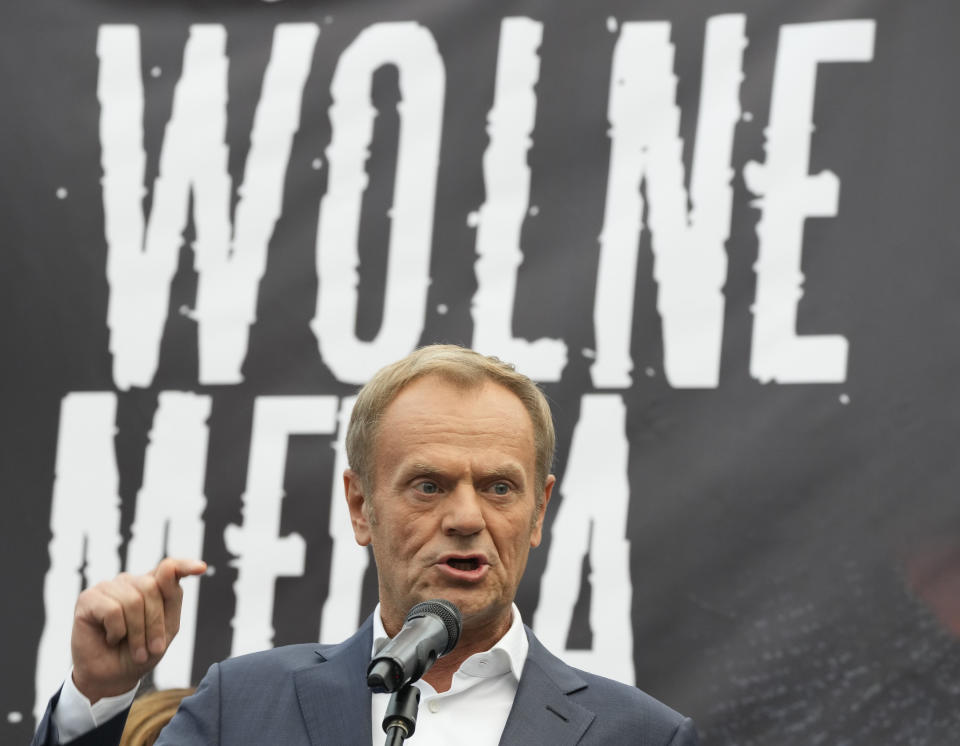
column 142, row 256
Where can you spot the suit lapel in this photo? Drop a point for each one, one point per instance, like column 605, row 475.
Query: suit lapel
column 335, row 701
column 542, row 712
column 333, row 694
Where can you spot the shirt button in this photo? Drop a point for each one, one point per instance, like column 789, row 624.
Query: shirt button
column 434, row 706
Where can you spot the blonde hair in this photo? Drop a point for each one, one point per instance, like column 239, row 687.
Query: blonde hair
column 461, row 367
column 149, row 713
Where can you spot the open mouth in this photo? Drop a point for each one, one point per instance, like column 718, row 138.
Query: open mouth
column 464, row 563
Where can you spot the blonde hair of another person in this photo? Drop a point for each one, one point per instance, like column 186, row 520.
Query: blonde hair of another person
column 149, row 713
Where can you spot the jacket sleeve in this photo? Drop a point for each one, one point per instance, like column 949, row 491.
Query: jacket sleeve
column 107, row 734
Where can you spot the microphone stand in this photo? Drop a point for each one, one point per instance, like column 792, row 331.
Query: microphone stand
column 400, row 718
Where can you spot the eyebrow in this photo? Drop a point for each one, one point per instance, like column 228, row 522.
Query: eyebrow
column 510, row 473
column 421, row 469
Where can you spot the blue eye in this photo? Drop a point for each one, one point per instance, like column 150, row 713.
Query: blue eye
column 428, row 488
column 501, row 488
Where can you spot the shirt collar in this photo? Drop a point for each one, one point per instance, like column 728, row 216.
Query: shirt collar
column 508, row 654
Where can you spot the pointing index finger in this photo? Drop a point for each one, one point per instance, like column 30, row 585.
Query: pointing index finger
column 170, row 571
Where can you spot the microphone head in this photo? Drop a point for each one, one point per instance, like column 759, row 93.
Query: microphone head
column 447, row 613
column 431, row 630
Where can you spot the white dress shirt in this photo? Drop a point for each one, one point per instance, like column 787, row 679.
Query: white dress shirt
column 74, row 715
column 474, row 710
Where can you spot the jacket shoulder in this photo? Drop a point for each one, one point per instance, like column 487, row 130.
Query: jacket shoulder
column 622, row 713
column 282, row 659
column 604, row 693
column 288, row 658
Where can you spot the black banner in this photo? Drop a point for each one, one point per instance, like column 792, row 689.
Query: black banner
column 719, row 234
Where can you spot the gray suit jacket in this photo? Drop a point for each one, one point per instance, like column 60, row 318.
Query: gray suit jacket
column 313, row 695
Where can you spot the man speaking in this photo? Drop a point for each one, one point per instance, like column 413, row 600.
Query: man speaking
column 449, row 480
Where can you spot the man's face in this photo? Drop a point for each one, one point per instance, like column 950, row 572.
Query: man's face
column 454, row 511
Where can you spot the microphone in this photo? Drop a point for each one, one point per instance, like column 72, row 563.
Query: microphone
column 430, row 630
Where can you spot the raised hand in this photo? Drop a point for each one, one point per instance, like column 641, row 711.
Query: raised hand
column 122, row 627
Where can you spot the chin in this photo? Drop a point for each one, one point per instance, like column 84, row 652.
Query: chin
column 475, row 611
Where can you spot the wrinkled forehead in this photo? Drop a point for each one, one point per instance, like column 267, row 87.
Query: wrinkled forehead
column 469, row 408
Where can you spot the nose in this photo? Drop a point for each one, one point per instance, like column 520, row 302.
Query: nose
column 463, row 514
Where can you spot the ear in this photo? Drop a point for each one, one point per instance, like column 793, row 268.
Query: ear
column 357, row 505
column 537, row 534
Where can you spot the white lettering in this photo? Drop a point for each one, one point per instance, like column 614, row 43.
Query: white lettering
column 169, row 517
column 141, row 261
column 689, row 253
column 229, row 279
column 500, row 219
column 592, row 520
column 789, row 195
column 413, row 50
column 263, row 555
column 348, row 562
column 85, row 523
column 194, row 157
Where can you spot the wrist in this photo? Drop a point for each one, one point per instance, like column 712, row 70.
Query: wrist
column 94, row 690
column 74, row 715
